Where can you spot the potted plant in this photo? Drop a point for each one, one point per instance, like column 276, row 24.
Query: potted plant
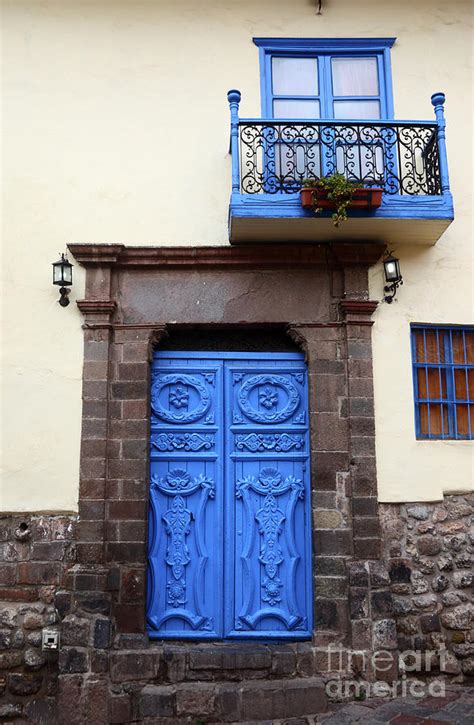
column 336, row 192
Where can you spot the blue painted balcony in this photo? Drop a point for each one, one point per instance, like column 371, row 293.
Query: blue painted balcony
column 272, row 157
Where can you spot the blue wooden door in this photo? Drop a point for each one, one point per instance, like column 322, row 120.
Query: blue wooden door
column 229, row 524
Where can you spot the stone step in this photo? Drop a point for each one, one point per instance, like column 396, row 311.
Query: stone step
column 173, row 663
column 231, row 702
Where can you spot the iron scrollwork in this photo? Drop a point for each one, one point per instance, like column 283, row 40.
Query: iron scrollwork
column 402, row 158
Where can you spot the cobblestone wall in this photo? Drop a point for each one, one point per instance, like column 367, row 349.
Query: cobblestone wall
column 429, row 550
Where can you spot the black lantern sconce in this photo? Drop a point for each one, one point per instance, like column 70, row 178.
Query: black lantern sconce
column 62, row 275
column 393, row 277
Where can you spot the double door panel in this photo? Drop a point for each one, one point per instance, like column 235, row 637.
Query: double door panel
column 229, row 524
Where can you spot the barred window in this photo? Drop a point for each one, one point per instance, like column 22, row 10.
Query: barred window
column 443, row 378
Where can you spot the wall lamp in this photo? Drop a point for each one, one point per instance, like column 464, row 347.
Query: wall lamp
column 393, row 277
column 62, row 275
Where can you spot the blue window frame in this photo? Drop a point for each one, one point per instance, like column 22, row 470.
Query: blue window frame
column 443, row 380
column 329, row 78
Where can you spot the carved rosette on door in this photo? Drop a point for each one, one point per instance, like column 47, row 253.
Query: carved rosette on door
column 229, row 530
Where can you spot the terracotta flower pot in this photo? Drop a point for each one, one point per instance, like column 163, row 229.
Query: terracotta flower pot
column 362, row 198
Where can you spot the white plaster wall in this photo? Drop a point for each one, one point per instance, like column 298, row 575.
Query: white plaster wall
column 112, row 110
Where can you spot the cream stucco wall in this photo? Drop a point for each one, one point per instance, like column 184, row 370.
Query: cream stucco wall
column 110, row 110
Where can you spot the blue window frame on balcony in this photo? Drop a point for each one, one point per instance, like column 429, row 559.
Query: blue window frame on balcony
column 330, row 78
column 313, row 79
column 443, row 380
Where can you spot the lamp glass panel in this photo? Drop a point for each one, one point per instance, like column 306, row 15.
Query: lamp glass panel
column 57, row 273
column 67, row 274
column 391, row 271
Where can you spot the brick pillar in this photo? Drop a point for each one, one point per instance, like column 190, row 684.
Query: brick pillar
column 360, row 401
column 126, row 496
column 330, row 459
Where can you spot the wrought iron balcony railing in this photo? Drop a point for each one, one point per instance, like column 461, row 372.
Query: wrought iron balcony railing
column 274, row 156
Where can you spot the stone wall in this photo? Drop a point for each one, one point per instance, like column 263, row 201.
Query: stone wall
column 429, row 552
column 36, row 554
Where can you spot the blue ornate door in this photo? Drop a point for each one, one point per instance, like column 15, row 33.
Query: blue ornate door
column 229, row 524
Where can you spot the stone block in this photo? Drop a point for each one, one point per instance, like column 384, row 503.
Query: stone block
column 328, row 519
column 70, row 700
column 329, row 565
column 256, row 657
column 156, row 701
column 102, row 633
column 385, row 634
column 95, row 701
column 430, row 623
column 332, row 543
column 139, row 665
column 283, row 698
column 361, row 633
column 419, row 583
column 458, row 618
column 305, row 659
column 99, row 661
column 428, row 545
column 358, row 603
column 378, row 574
column 400, row 572
column 381, row 604
column 330, row 586
column 228, row 703
column 196, row 699
column 358, row 574
column 10, row 711
column 72, row 660
column 439, row 583
column 75, row 631
column 463, row 580
column 24, row 684
column 325, row 614
column 283, row 660
column 418, row 512
column 174, row 661
column 119, row 709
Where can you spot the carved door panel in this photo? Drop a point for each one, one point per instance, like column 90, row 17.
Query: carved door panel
column 229, row 525
column 268, row 515
column 186, row 498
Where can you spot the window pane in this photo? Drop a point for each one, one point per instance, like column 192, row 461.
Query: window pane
column 469, row 336
column 458, row 346
column 355, row 77
column 464, row 383
column 433, row 419
column 430, row 347
column 462, row 419
column 356, row 109
column 295, row 76
column 295, row 109
column 431, row 383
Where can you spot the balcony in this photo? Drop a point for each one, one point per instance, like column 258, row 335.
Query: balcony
column 272, row 157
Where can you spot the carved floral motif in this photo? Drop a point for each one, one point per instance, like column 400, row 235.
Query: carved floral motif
column 182, row 442
column 177, row 525
column 268, row 396
column 179, row 398
column 180, row 481
column 271, row 483
column 268, row 442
